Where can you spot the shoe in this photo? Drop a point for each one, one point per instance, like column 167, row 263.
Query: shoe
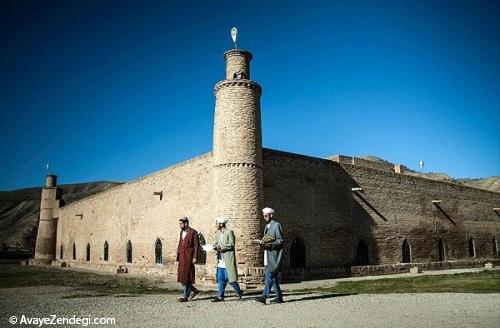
column 239, row 296
column 193, row 294
column 261, row 299
column 216, row 299
column 278, row 300
column 182, row 300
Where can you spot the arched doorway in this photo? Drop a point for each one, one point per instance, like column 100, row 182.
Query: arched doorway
column 441, row 251
column 472, row 247
column 362, row 256
column 406, row 252
column 297, row 254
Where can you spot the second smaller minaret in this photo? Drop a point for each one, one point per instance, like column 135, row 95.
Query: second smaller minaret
column 45, row 247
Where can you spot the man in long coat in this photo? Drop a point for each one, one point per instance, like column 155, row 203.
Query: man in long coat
column 273, row 255
column 226, row 260
column 187, row 252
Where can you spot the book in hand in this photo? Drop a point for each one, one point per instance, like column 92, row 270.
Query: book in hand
column 265, row 240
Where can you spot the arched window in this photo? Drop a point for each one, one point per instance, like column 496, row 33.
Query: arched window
column 158, row 254
column 472, row 247
column 362, row 257
column 106, row 251
column 297, row 254
column 88, row 252
column 441, row 251
column 74, row 251
column 406, row 252
column 129, row 252
column 495, row 246
column 202, row 255
column 61, row 252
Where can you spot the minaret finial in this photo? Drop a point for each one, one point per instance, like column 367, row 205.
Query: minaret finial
column 234, row 34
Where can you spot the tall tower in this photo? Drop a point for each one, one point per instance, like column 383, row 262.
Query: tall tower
column 238, row 186
column 45, row 247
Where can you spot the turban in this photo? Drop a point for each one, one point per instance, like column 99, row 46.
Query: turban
column 267, row 210
column 221, row 220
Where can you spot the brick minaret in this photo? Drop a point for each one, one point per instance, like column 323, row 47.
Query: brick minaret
column 45, row 247
column 238, row 187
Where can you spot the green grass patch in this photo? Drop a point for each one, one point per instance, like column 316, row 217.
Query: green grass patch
column 12, row 275
column 480, row 282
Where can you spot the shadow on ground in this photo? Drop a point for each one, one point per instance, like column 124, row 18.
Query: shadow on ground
column 250, row 296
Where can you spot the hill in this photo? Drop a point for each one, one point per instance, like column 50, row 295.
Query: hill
column 19, row 211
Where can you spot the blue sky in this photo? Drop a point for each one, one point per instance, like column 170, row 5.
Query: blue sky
column 113, row 90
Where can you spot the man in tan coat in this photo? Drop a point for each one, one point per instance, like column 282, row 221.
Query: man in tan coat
column 226, row 260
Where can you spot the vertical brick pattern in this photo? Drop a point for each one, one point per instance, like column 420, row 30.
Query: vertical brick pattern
column 238, row 180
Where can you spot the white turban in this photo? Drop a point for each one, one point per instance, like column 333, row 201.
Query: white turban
column 267, row 210
column 221, row 220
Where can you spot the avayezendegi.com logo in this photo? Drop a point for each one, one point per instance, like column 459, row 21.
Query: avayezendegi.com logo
column 53, row 319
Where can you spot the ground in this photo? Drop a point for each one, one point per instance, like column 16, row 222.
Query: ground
column 302, row 309
column 460, row 298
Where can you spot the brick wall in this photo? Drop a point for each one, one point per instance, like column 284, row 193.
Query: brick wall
column 314, row 202
column 132, row 212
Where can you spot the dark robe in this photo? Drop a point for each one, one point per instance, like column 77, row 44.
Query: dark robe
column 187, row 250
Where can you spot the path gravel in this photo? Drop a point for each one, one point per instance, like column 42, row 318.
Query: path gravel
column 300, row 309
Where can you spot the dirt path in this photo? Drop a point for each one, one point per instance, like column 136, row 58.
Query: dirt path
column 300, row 310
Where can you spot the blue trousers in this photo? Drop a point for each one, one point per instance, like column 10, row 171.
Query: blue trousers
column 187, row 289
column 222, row 283
column 271, row 281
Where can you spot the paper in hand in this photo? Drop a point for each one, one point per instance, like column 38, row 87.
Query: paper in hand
column 207, row 247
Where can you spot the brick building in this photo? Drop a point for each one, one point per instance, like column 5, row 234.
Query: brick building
column 341, row 215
